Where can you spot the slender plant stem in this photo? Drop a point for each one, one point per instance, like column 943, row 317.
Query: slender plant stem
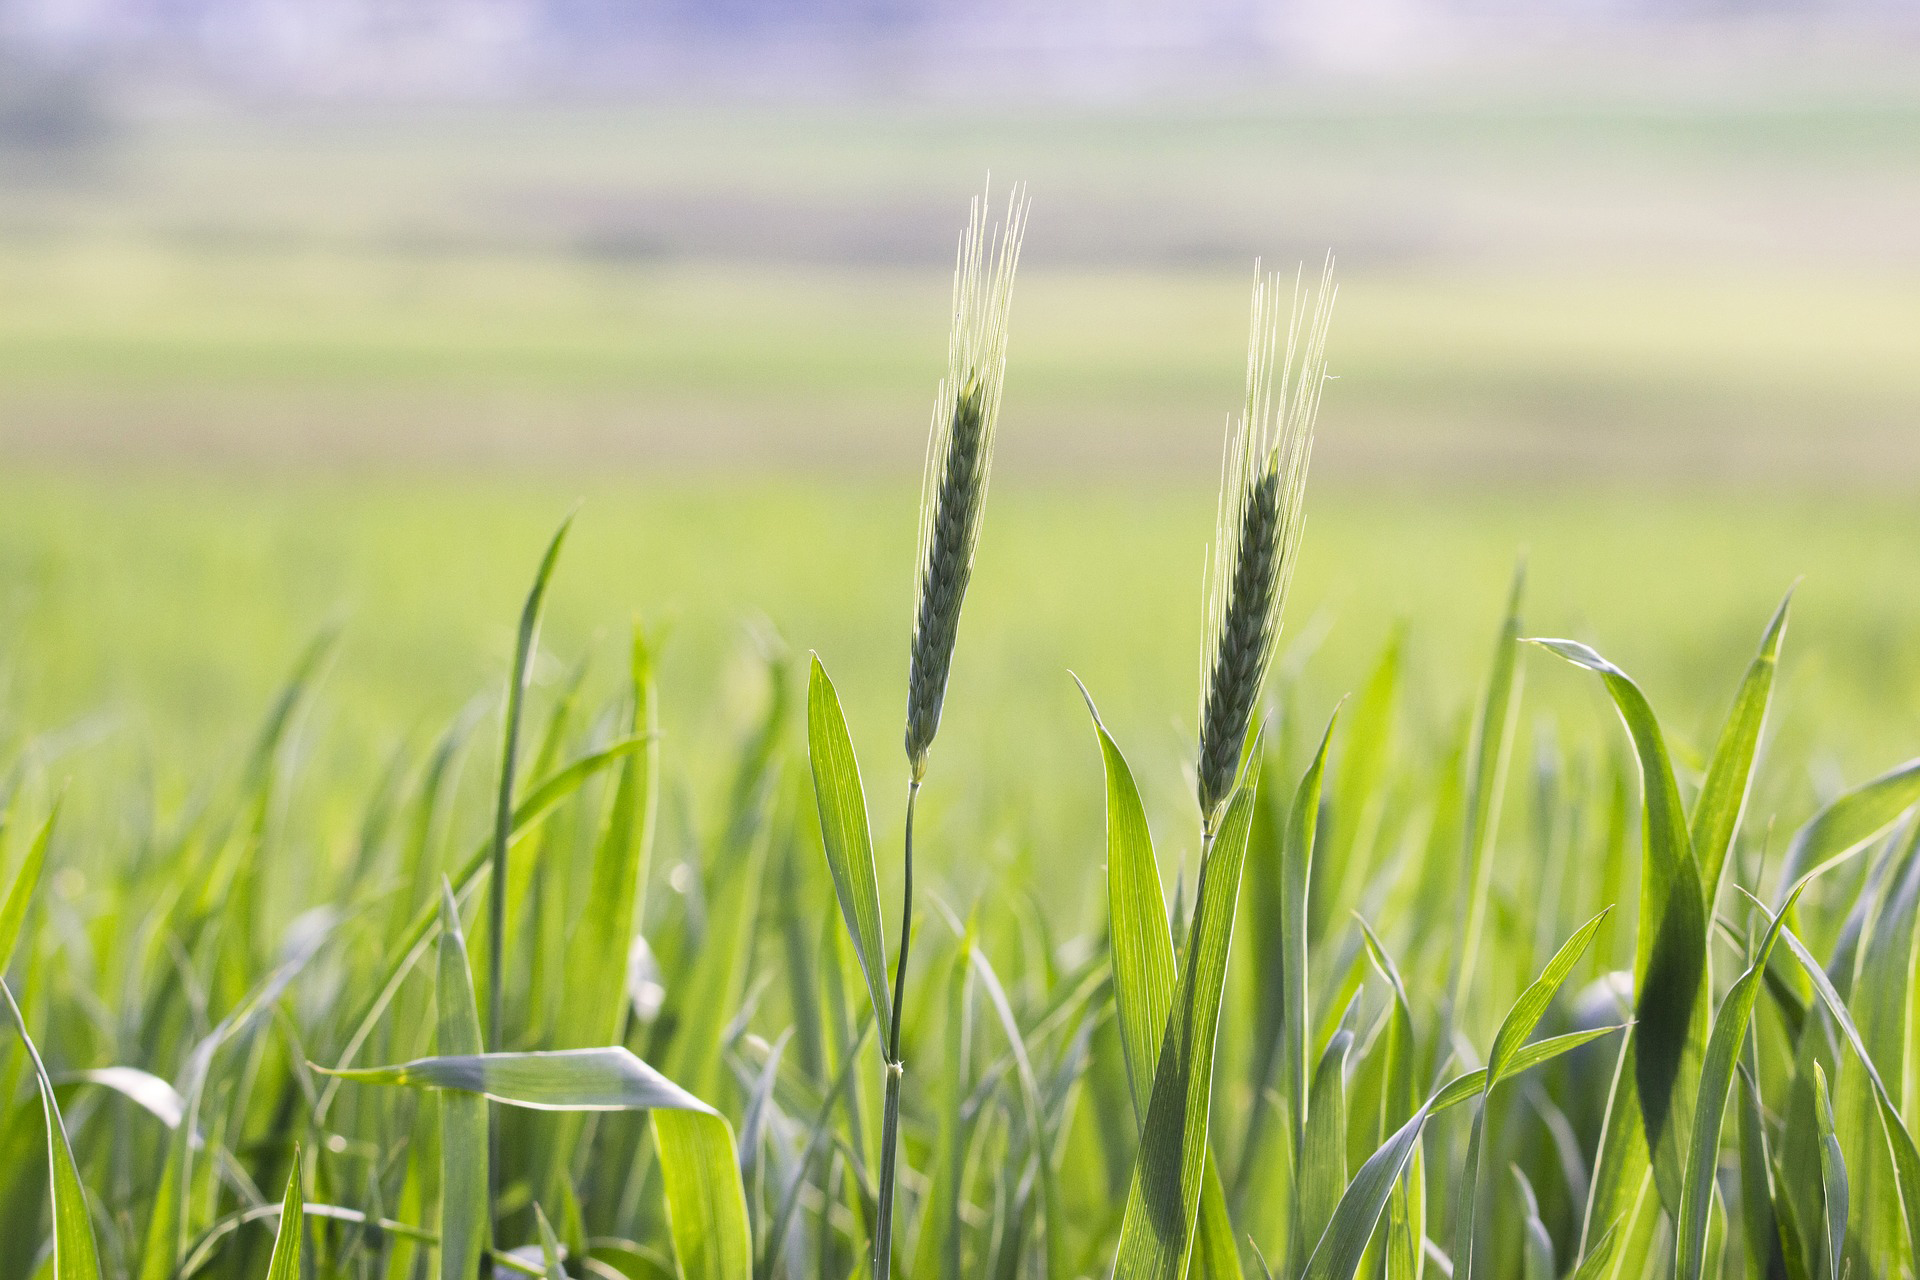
column 502, row 834
column 896, row 1069
column 497, row 918
column 497, row 881
column 906, row 933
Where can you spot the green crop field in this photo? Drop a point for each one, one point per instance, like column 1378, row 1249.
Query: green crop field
column 1510, row 980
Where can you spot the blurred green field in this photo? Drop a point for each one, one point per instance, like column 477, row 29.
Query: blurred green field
column 1536, row 284
column 150, row 620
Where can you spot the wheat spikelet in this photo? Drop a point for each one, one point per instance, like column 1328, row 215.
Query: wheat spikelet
column 1262, row 507
column 959, row 455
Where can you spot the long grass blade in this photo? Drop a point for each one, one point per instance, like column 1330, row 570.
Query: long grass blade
column 605, row 1079
column 526, row 644
column 1337, row 1254
column 1833, row 1179
column 1757, row 1221
column 1296, row 882
column 466, row 1204
column 1723, row 796
column 1671, row 996
column 550, row 1252
column 289, row 1239
column 1164, row 1195
column 594, row 1000
column 1716, row 1082
column 1853, row 819
column 845, row 833
column 1144, row 972
column 706, row 1201
column 1471, row 1084
column 13, row 911
column 1488, row 755
column 1906, row 1157
column 1322, row 1171
column 1341, row 1246
column 418, row 937
column 1508, row 1042
column 1527, row 1011
column 1537, row 1245
column 75, row 1254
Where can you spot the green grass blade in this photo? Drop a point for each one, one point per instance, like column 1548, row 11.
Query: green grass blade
column 1670, row 958
column 605, row 1079
column 593, row 997
column 289, row 1240
column 414, row 942
column 816, row 1133
column 1032, row 1108
column 1527, row 1011
column 845, row 833
column 526, row 644
column 1337, row 1254
column 13, row 912
column 1537, row 1245
column 1144, row 973
column 1322, row 1174
column 1407, row 1221
column 1600, row 1257
column 937, row 1249
column 1398, row 1100
column 717, row 974
column 172, row 1211
column 1757, row 1223
column 1141, row 938
column 1833, row 1178
column 210, row 1241
column 150, row 1092
column 560, row 716
column 1521, row 1019
column 706, row 1201
column 1466, row 1213
column 1296, row 876
column 1487, row 756
column 1471, row 1084
column 1622, row 1169
column 75, row 1255
column 466, row 1209
column 1716, row 1082
column 594, row 1000
column 1881, row 997
column 1164, row 1195
column 549, row 1246
column 1723, row 796
column 1406, row 1213
column 1906, row 1158
column 1853, row 819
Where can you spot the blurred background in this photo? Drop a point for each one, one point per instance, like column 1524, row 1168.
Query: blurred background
column 324, row 312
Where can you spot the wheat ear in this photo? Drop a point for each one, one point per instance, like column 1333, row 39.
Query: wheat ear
column 1263, row 480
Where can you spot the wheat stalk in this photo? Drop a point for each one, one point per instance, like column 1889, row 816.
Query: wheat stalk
column 953, row 495
column 1263, row 479
column 953, row 492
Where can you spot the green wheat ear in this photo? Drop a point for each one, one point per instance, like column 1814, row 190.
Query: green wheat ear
column 1263, row 479
column 953, row 494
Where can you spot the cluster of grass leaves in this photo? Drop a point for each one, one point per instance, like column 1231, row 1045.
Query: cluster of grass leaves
column 1604, row 1011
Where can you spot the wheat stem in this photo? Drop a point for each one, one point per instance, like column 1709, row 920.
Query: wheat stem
column 953, row 496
